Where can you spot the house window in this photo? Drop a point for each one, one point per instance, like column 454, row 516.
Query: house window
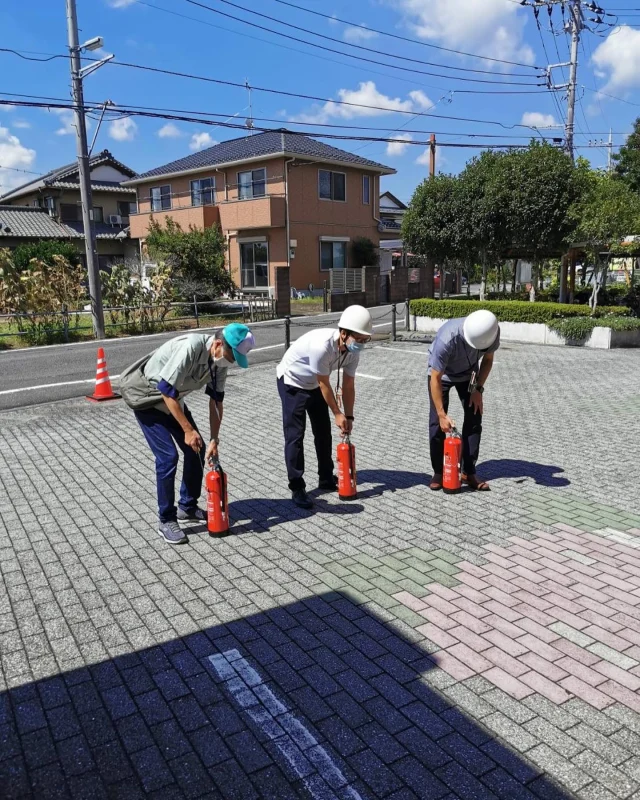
column 203, row 192
column 332, row 185
column 98, row 214
column 366, row 189
column 125, row 208
column 252, row 183
column 69, row 212
column 333, row 255
column 254, row 264
column 161, row 198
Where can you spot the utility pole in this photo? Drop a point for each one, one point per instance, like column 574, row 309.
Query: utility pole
column 610, row 158
column 432, row 155
column 576, row 27
column 77, row 75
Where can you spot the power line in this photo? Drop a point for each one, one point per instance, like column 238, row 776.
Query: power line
column 339, row 41
column 405, row 38
column 215, row 123
column 349, row 55
column 325, row 58
column 341, row 126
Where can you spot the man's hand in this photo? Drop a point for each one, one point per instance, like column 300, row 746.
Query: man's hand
column 475, row 401
column 446, row 423
column 193, row 440
column 212, row 452
column 343, row 423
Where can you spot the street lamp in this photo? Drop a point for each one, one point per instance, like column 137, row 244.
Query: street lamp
column 78, row 73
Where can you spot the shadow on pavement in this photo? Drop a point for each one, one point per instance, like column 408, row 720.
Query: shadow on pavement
column 262, row 513
column 543, row 474
column 390, row 480
column 315, row 699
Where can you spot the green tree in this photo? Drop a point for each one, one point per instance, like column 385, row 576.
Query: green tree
column 195, row 256
column 606, row 212
column 628, row 160
column 45, row 250
column 363, row 252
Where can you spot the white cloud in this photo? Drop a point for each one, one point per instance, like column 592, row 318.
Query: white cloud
column 333, row 20
column 424, row 158
column 67, row 122
column 201, row 140
column 7, row 108
column 13, row 154
column 491, row 28
column 399, row 145
column 120, row 3
column 21, row 123
column 617, row 60
column 365, row 95
column 170, row 131
column 537, row 120
column 123, row 130
column 358, row 34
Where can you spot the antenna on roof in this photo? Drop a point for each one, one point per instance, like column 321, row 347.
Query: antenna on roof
column 249, row 120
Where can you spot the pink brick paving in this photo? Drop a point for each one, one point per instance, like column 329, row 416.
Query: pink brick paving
column 558, row 615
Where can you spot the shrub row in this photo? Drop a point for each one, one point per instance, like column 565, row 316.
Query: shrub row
column 509, row 310
column 579, row 328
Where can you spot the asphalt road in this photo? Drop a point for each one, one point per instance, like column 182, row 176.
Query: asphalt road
column 31, row 376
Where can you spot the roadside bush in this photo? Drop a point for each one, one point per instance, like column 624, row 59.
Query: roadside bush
column 579, row 328
column 509, row 310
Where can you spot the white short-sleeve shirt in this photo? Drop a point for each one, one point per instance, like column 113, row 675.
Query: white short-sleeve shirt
column 315, row 353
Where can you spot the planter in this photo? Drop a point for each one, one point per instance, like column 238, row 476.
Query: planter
column 601, row 338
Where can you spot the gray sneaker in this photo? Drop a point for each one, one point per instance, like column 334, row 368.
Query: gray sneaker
column 172, row 533
column 193, row 515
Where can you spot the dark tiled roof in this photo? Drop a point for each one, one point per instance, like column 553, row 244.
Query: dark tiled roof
column 25, row 222
column 98, row 186
column 391, row 223
column 50, row 178
column 262, row 144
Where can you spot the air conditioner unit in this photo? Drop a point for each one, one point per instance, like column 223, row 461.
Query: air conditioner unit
column 115, row 219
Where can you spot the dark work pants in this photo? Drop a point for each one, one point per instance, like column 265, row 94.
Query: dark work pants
column 162, row 433
column 296, row 404
column 471, row 429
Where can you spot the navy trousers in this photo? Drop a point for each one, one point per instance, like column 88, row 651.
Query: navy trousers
column 296, row 404
column 162, row 433
column 471, row 430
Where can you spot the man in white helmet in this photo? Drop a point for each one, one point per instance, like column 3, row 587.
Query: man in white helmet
column 460, row 357
column 304, row 385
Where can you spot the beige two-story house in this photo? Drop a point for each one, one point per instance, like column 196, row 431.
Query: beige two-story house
column 280, row 198
column 49, row 207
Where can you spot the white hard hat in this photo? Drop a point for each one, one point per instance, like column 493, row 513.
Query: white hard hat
column 480, row 329
column 357, row 320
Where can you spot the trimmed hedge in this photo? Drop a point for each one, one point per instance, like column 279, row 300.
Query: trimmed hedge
column 578, row 328
column 509, row 310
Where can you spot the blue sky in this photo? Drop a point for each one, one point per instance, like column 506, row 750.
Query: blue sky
column 211, row 45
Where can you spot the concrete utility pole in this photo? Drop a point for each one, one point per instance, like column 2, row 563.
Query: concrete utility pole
column 77, row 75
column 432, row 155
column 576, row 27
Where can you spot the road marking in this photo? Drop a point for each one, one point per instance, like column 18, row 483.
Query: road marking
column 371, row 377
column 51, row 385
column 269, row 347
column 308, row 759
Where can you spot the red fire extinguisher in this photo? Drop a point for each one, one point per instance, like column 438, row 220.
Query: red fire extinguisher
column 347, row 479
column 451, row 482
column 217, row 502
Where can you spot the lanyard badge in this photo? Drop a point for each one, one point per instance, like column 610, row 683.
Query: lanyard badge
column 473, row 382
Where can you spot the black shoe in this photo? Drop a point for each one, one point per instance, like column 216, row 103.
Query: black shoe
column 302, row 499
column 329, row 484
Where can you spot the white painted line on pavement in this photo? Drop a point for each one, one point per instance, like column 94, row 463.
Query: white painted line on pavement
column 308, row 759
column 269, row 347
column 52, row 385
column 371, row 377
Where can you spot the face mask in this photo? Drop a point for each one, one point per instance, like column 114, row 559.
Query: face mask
column 354, row 347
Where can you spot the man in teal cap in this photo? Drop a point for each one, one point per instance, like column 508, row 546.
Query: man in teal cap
column 155, row 388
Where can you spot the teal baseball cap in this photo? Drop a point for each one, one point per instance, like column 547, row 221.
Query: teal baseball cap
column 240, row 340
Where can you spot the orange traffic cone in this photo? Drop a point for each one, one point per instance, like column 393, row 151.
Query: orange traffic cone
column 103, row 390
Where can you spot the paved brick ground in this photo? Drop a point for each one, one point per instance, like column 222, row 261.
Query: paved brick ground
column 404, row 645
